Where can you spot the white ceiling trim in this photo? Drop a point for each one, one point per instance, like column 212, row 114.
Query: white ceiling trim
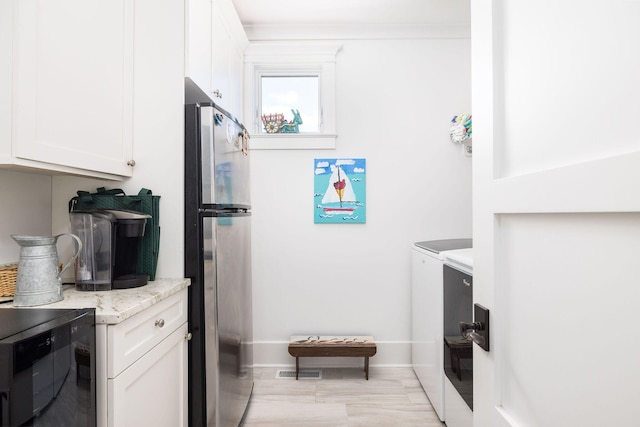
column 268, row 32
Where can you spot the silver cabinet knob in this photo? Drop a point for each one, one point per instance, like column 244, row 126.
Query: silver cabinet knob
column 160, row 323
column 188, row 336
column 131, row 163
column 217, row 93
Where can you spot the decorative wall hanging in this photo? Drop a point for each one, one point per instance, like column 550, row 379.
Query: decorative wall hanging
column 339, row 191
column 460, row 131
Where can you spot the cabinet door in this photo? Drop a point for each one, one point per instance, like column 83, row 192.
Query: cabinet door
column 220, row 47
column 236, row 74
column 134, row 337
column 153, row 391
column 73, row 83
column 198, row 43
column 229, row 42
column 6, row 46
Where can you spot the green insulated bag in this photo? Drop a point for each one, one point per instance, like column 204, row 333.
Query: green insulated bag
column 144, row 202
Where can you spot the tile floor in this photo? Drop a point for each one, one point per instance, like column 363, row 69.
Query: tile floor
column 342, row 398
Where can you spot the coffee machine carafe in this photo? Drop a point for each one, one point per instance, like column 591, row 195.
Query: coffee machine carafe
column 110, row 242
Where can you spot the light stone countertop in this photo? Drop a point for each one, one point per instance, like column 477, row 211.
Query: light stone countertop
column 117, row 305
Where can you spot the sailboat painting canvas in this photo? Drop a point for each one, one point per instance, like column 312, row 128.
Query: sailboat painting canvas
column 339, row 191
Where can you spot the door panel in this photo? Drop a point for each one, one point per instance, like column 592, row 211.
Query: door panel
column 564, row 312
column 556, row 224
column 561, row 80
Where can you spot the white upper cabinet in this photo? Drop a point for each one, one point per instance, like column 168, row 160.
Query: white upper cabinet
column 215, row 49
column 71, row 86
column 228, row 43
column 198, row 43
column 220, row 48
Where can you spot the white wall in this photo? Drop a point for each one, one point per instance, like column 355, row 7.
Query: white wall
column 395, row 99
column 25, row 209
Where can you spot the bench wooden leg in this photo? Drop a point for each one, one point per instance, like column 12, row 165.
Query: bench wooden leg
column 297, row 366
column 366, row 367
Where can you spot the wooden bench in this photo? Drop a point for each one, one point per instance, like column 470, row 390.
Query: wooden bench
column 332, row 346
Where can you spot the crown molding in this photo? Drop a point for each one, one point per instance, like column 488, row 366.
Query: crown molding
column 356, row 31
column 289, row 51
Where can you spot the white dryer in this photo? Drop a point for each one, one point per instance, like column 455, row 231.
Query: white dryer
column 427, row 344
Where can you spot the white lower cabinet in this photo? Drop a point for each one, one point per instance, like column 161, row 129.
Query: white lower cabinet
column 143, row 378
column 153, row 390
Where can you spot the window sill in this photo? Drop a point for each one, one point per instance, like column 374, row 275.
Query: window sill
column 293, row 142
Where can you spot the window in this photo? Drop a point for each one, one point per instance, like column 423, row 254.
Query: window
column 284, row 95
column 290, row 95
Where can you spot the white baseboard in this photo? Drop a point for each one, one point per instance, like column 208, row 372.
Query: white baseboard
column 276, row 354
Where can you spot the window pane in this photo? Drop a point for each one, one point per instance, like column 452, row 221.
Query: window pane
column 280, row 95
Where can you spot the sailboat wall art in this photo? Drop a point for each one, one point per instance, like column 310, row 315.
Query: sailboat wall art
column 340, row 191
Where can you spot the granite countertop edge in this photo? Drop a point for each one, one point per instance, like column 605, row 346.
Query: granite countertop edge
column 117, row 305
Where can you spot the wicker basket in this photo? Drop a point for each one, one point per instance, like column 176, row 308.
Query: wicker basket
column 8, row 274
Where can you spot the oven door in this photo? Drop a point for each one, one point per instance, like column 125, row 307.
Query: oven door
column 49, row 379
column 458, row 351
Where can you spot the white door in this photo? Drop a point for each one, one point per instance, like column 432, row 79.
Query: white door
column 556, row 167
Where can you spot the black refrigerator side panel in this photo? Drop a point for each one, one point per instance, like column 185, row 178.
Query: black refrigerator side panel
column 193, row 265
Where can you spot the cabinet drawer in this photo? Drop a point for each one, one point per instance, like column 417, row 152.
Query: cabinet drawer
column 131, row 339
column 153, row 391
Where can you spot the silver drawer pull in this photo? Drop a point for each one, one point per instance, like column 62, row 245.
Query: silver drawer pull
column 160, row 323
column 188, row 336
column 466, row 282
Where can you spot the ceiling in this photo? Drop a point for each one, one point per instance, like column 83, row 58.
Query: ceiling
column 256, row 13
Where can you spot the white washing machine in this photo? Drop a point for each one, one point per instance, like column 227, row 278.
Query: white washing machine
column 458, row 354
column 427, row 315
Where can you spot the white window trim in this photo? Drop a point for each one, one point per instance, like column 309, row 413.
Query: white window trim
column 294, row 58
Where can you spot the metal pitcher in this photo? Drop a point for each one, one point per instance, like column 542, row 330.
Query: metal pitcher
column 38, row 281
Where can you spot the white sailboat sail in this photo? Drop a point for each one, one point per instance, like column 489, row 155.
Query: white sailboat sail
column 331, row 195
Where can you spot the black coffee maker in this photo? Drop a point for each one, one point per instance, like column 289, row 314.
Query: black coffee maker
column 111, row 240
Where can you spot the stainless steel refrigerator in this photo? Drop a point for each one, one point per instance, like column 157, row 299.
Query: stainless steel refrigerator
column 218, row 262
